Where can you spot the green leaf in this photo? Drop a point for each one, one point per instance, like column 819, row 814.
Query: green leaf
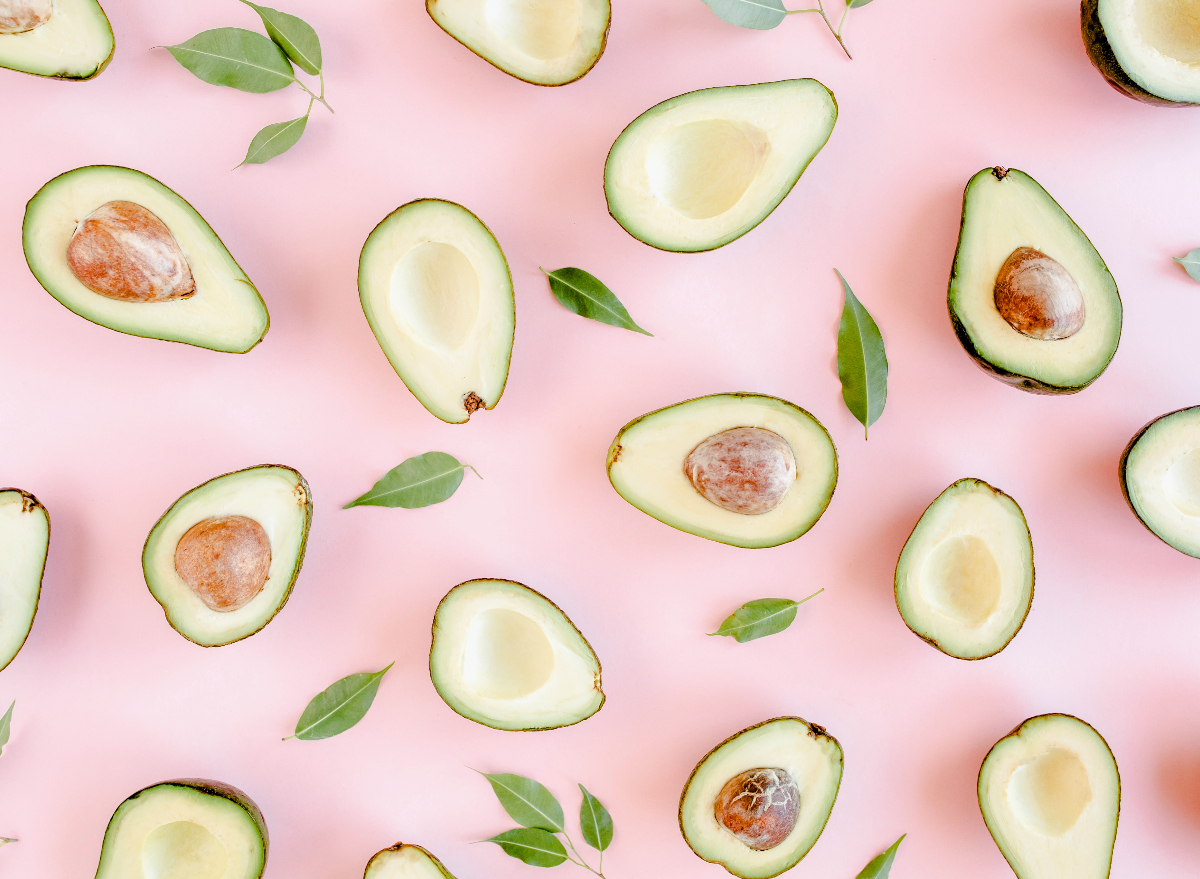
column 758, row 14
column 279, row 137
column 295, row 36
column 862, row 361
column 6, row 725
column 595, row 822
column 1191, row 263
column 881, row 866
column 418, row 482
column 237, row 58
column 527, row 802
column 587, row 296
column 760, row 618
column 535, row 847
column 4, row 840
column 855, row 4
column 338, row 707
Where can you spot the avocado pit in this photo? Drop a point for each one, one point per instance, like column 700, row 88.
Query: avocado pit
column 125, row 252
column 1038, row 297
column 759, row 807
column 225, row 561
column 19, row 16
column 745, row 470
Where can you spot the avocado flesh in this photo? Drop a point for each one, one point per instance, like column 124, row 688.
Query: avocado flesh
column 75, row 43
column 543, row 42
column 185, row 829
column 813, row 759
column 1160, row 477
column 1050, row 796
column 700, row 170
column 964, row 580
column 24, row 543
column 646, row 467
column 1004, row 210
column 1146, row 49
column 505, row 656
column 275, row 497
column 403, row 861
column 436, row 290
column 225, row 313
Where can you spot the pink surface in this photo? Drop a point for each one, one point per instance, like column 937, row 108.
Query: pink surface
column 108, row 430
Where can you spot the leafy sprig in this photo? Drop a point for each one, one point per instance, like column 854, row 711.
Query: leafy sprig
column 760, row 618
column 767, row 14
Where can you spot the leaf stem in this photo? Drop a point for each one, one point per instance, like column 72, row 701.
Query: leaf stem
column 581, row 862
column 835, row 31
column 315, row 97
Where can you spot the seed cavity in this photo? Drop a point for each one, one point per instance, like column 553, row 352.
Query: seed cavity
column 745, row 470
column 124, row 252
column 19, row 16
column 225, row 560
column 1038, row 297
column 759, row 807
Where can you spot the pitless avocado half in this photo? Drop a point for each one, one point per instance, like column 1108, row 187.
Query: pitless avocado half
column 63, row 39
column 1146, row 49
column 1160, row 478
column 24, row 544
column 405, row 861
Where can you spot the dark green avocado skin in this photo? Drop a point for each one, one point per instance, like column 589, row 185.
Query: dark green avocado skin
column 1101, row 53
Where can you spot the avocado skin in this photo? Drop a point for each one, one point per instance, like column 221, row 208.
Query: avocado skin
column 1105, row 60
column 1123, row 471
column 32, row 502
column 403, row 845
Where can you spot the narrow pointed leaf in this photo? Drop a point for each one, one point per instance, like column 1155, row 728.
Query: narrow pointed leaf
column 758, row 14
column 535, row 847
column 418, row 482
column 6, row 725
column 881, row 866
column 295, row 36
column 237, row 58
column 587, row 296
column 855, row 4
column 527, row 802
column 339, row 707
column 1191, row 263
column 760, row 618
column 862, row 361
column 276, row 138
column 595, row 822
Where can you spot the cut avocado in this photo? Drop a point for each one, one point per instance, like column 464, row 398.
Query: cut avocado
column 436, row 290
column 121, row 250
column 507, row 657
column 1050, row 796
column 1030, row 298
column 792, row 770
column 1146, row 49
column 964, row 581
column 697, row 171
column 185, row 829
column 544, row 42
column 223, row 559
column 1160, row 477
column 64, row 39
column 403, row 861
column 743, row 469
column 24, row 543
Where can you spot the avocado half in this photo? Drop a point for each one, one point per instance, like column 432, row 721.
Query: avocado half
column 1146, row 50
column 404, row 861
column 224, row 313
column 436, row 290
column 700, row 170
column 805, row 752
column 63, row 39
column 1160, row 478
column 1006, row 212
column 543, row 42
column 1050, row 795
column 505, row 656
column 24, row 544
column 197, row 553
column 964, row 580
column 646, row 466
column 189, row 827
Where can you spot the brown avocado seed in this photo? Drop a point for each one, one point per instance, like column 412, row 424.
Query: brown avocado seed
column 1038, row 297
column 745, row 470
column 225, row 560
column 759, row 807
column 19, row 16
column 124, row 252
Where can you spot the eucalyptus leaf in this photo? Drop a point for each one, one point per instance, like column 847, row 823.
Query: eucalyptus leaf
column 417, row 482
column 760, row 618
column 758, row 14
column 595, row 822
column 527, row 802
column 279, row 137
column 237, row 58
column 1191, row 263
column 533, row 846
column 338, row 707
column 295, row 36
column 880, row 867
column 855, row 4
column 587, row 296
column 6, row 725
column 862, row 361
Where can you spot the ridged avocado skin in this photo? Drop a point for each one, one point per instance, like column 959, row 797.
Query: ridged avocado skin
column 1100, row 51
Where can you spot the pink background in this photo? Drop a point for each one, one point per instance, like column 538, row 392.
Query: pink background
column 108, row 430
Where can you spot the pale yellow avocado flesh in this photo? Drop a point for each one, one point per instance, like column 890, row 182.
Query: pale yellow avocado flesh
column 403, row 861
column 75, row 43
column 24, row 543
column 1157, row 44
column 1160, row 475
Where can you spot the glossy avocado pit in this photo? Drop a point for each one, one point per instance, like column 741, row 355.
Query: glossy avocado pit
column 125, row 252
column 759, row 807
column 225, row 560
column 1038, row 297
column 745, row 470
column 20, row 16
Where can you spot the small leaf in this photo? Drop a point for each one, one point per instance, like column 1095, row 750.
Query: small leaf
column 6, row 725
column 418, row 482
column 855, row 4
column 881, row 866
column 758, row 14
column 338, row 707
column 279, row 137
column 1191, row 263
column 535, row 847
column 527, row 802
column 760, row 618
column 587, row 296
column 862, row 361
column 237, row 58
column 595, row 822
column 295, row 36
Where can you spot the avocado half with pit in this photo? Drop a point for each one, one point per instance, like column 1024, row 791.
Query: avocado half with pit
column 24, row 544
column 436, row 290
column 64, row 39
column 544, row 42
column 964, row 580
column 505, row 656
column 700, row 170
column 403, row 861
column 223, row 559
column 743, row 469
column 1030, row 299
column 1146, row 49
column 757, row 803
column 189, row 828
column 1160, row 478
column 1050, row 795
column 121, row 250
